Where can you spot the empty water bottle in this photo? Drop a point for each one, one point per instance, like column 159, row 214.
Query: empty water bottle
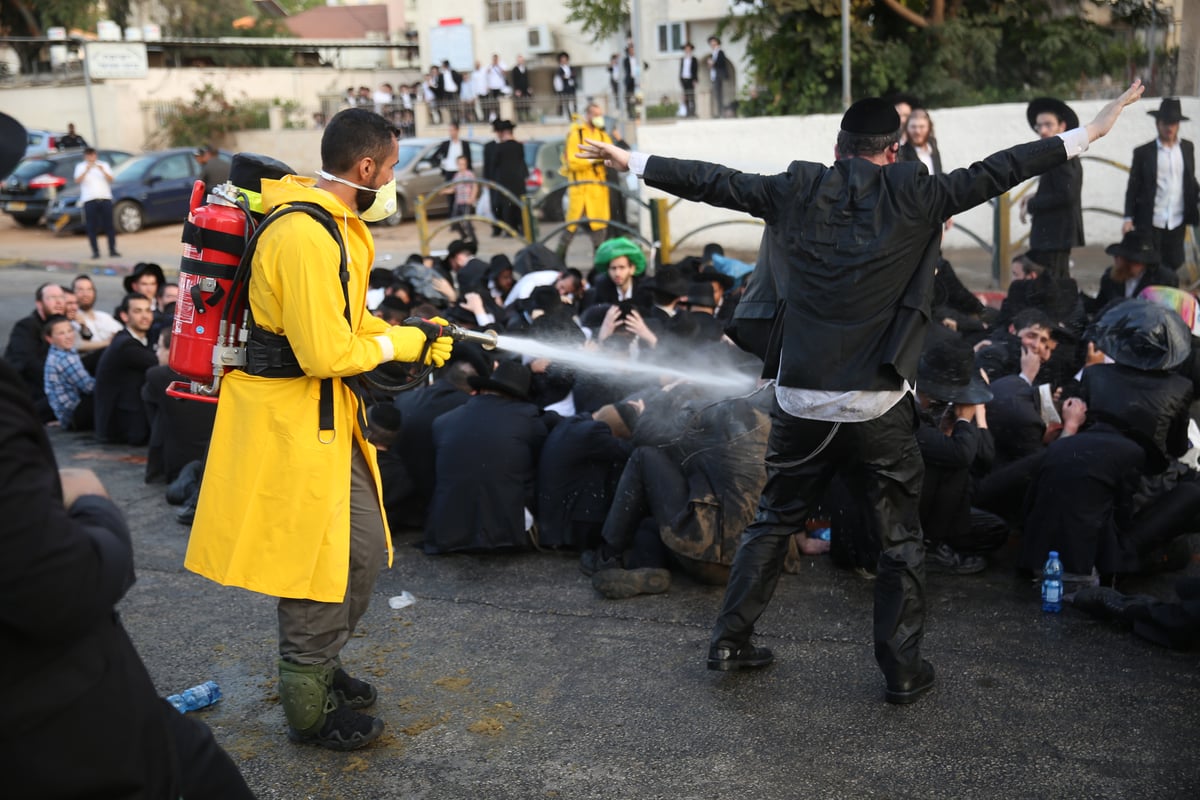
column 196, row 697
column 1052, row 584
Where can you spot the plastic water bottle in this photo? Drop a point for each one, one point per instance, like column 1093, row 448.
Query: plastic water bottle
column 1052, row 584
column 196, row 697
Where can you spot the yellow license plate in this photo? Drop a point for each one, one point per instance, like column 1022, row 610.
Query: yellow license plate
column 61, row 222
column 16, row 206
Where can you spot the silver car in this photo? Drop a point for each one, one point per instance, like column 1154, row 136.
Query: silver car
column 418, row 173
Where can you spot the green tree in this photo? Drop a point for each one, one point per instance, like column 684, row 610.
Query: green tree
column 599, row 19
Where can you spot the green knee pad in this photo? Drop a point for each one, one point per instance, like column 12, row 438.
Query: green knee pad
column 304, row 692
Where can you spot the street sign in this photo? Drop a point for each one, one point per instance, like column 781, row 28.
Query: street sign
column 116, row 60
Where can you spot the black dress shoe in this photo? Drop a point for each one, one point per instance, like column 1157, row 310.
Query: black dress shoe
column 727, row 657
column 910, row 691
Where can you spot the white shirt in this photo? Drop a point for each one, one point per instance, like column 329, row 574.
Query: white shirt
column 448, row 82
column 450, row 162
column 1168, row 192
column 925, row 153
column 479, row 81
column 102, row 324
column 495, row 77
column 685, row 71
column 95, row 185
column 712, row 69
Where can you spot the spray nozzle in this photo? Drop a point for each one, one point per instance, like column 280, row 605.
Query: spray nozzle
column 433, row 329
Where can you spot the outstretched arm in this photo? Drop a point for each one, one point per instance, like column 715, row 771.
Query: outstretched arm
column 1107, row 117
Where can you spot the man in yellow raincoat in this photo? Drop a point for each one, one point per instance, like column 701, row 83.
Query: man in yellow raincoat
column 590, row 199
column 289, row 505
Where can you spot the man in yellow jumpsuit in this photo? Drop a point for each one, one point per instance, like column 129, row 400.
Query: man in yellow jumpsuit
column 588, row 200
column 289, row 505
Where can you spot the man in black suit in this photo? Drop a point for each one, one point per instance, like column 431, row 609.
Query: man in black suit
column 861, row 241
column 1135, row 266
column 120, row 412
column 1056, row 207
column 718, row 73
column 27, row 347
column 689, row 67
column 522, row 96
column 564, row 85
column 1166, row 204
column 486, row 454
column 630, row 72
column 509, row 170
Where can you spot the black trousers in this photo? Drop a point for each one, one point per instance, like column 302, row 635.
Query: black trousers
column 881, row 464
column 1170, row 246
column 652, row 485
column 97, row 219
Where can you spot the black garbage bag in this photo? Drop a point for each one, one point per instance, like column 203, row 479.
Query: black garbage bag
column 536, row 257
column 1142, row 335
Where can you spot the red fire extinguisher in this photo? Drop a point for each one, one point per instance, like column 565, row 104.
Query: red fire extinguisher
column 209, row 332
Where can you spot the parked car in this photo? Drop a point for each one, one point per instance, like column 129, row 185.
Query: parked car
column 546, row 182
column 37, row 181
column 39, row 142
column 417, row 173
column 148, row 189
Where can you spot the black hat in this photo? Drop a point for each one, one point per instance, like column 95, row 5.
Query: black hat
column 503, row 125
column 247, row 171
column 668, row 280
column 871, row 116
column 1054, row 106
column 1135, row 246
column 510, row 377
column 701, row 294
column 498, row 264
column 946, row 373
column 898, row 97
column 143, row 268
column 461, row 246
column 1169, row 111
column 711, row 249
column 13, row 141
column 383, row 424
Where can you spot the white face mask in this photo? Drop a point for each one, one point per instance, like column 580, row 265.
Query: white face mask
column 597, row 122
column 383, row 199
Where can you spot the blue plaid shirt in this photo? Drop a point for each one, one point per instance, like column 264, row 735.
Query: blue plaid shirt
column 64, row 380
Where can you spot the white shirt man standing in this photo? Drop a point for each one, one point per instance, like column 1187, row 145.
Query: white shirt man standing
column 95, row 195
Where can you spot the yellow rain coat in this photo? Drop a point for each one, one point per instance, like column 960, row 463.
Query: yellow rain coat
column 274, row 510
column 589, row 200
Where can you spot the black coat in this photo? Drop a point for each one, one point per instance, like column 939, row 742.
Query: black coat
column 520, row 81
column 509, row 169
column 26, row 354
column 1143, row 185
column 1149, row 407
column 180, row 430
column 418, row 409
column 945, row 504
column 860, row 243
column 120, row 413
column 81, row 717
column 1080, row 500
column 486, row 455
column 1057, row 209
column 444, row 148
column 577, row 472
column 603, row 290
column 1015, row 419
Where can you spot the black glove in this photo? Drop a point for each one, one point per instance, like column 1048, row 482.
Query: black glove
column 432, row 328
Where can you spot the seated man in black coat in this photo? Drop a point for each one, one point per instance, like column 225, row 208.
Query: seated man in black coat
column 953, row 437
column 27, row 347
column 577, row 475
column 179, row 429
column 120, row 412
column 1135, row 266
column 486, row 454
column 81, row 716
column 418, row 409
column 619, row 266
column 1030, row 331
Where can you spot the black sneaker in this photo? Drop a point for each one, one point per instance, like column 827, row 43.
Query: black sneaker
column 619, row 584
column 592, row 561
column 344, row 729
column 185, row 484
column 351, row 692
column 942, row 558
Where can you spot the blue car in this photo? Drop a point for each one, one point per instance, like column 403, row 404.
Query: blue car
column 149, row 189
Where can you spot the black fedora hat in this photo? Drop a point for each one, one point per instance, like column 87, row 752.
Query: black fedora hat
column 510, row 377
column 13, row 141
column 1169, row 110
column 143, row 268
column 710, row 273
column 701, row 294
column 946, row 373
column 1135, row 246
column 1053, row 105
column 668, row 280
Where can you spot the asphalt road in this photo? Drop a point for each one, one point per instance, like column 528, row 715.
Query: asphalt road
column 511, row 678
